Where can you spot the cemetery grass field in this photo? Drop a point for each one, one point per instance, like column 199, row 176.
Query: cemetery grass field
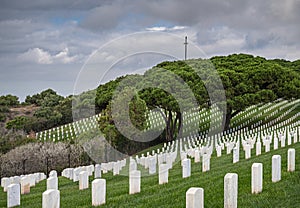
column 283, row 194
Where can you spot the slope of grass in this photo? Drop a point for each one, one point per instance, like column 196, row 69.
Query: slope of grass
column 281, row 194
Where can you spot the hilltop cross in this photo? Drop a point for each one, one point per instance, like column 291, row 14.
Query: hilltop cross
column 185, row 47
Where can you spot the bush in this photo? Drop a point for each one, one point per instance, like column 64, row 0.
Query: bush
column 40, row 157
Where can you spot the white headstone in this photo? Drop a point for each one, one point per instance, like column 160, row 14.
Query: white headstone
column 195, row 198
column 291, row 160
column 276, row 168
column 5, row 182
column 76, row 172
column 90, row 169
column 219, row 151
column 267, row 145
column 13, row 195
column 15, row 180
column 247, row 151
column 186, row 168
column 132, row 165
column 236, row 155
column 230, row 190
column 116, row 168
column 98, row 192
column 163, row 173
column 258, row 148
column 275, row 144
column 52, row 183
column 295, row 137
column 51, row 199
column 53, row 173
column 83, row 180
column 97, row 173
column 197, row 156
column 32, row 180
column 282, row 141
column 152, row 165
column 205, row 162
column 257, row 178
column 135, row 182
column 25, row 185
column 289, row 139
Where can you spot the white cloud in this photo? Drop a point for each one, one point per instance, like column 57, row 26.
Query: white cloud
column 63, row 57
column 40, row 56
column 36, row 55
column 156, row 29
column 178, row 28
column 161, row 29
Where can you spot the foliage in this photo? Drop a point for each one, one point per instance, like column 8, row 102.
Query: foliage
column 138, row 116
column 9, row 100
column 105, row 93
column 47, row 98
column 40, row 157
column 246, row 80
column 64, row 109
column 53, row 110
column 2, row 117
column 249, row 80
column 18, row 123
column 11, row 139
column 175, row 89
column 83, row 105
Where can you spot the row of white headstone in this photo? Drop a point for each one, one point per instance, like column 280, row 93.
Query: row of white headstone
column 18, row 185
column 191, row 123
column 51, row 197
column 70, row 131
column 25, row 181
column 195, row 195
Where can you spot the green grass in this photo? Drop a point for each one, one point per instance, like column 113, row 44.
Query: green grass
column 281, row 194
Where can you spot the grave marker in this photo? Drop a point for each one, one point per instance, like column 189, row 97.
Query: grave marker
column 257, row 178
column 276, row 168
column 195, row 198
column 230, row 190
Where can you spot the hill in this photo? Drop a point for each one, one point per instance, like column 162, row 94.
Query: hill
column 172, row 194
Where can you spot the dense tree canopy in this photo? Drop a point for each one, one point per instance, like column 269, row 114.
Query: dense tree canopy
column 249, row 80
column 105, row 92
column 50, row 110
column 125, row 142
column 245, row 80
column 171, row 88
column 9, row 100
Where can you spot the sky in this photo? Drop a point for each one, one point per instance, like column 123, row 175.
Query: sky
column 74, row 45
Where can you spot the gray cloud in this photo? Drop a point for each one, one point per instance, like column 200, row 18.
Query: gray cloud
column 103, row 18
column 48, row 41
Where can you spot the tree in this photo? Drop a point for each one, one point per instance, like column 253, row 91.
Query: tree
column 18, row 123
column 83, row 105
column 232, row 82
column 174, row 89
column 38, row 157
column 9, row 100
column 64, row 108
column 47, row 98
column 105, row 92
column 124, row 142
column 252, row 80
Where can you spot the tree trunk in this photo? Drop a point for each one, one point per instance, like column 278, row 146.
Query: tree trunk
column 229, row 116
column 169, row 127
column 179, row 128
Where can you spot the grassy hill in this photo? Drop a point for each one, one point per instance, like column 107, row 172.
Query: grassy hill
column 281, row 194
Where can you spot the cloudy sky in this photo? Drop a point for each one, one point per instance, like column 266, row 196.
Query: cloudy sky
column 52, row 43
